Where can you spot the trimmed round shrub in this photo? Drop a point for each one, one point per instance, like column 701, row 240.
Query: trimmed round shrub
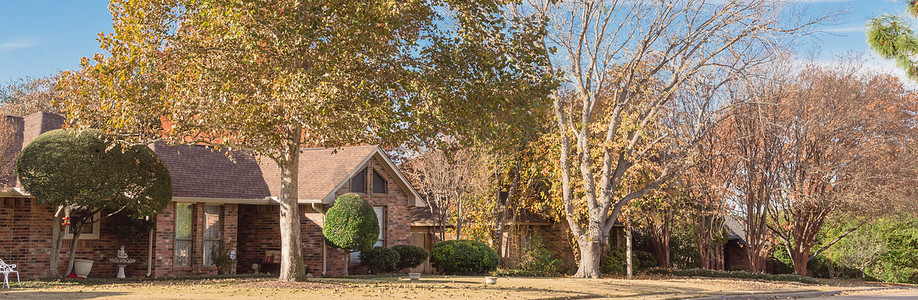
column 351, row 224
column 380, row 259
column 410, row 256
column 463, row 257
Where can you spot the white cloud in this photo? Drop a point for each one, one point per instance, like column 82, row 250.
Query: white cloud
column 13, row 45
column 848, row 29
column 869, row 63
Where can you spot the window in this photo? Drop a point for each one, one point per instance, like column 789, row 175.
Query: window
column 359, row 182
column 212, row 225
column 90, row 232
column 381, row 218
column 381, row 240
column 379, row 183
column 184, row 214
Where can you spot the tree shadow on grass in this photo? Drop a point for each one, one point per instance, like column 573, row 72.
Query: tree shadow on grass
column 27, row 294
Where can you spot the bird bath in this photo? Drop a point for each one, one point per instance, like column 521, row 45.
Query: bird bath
column 121, row 261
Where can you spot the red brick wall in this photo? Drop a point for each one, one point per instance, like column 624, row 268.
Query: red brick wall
column 735, row 256
column 396, row 202
column 260, row 232
column 164, row 250
column 25, row 232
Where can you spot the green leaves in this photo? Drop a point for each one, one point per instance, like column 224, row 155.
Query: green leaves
column 351, row 224
column 892, row 38
column 85, row 169
column 463, row 257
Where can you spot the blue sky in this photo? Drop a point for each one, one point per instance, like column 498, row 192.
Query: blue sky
column 41, row 37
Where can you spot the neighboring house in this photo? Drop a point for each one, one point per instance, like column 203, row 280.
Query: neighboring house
column 734, row 251
column 517, row 237
column 218, row 199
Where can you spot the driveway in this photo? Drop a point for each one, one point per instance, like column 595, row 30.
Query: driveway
column 896, row 294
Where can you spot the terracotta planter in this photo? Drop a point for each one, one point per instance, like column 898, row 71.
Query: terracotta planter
column 491, row 280
column 82, row 267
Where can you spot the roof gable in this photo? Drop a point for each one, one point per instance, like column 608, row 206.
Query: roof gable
column 390, row 168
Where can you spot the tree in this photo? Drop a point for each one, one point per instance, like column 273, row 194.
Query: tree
column 754, row 153
column 8, row 152
column 862, row 249
column 845, row 138
column 447, row 180
column 621, row 47
column 705, row 185
column 893, row 38
column 87, row 173
column 272, row 77
column 26, row 96
column 351, row 224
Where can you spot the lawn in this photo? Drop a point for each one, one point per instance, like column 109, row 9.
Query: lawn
column 398, row 287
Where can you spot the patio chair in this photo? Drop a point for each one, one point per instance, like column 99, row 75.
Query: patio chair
column 6, row 269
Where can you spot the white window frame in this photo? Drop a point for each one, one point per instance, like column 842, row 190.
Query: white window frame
column 381, row 218
column 210, row 243
column 84, row 236
column 175, row 239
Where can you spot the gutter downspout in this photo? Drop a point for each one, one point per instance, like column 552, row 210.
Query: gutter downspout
column 324, row 255
column 150, row 253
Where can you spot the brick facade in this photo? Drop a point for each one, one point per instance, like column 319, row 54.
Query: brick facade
column 259, row 231
column 28, row 242
column 202, row 176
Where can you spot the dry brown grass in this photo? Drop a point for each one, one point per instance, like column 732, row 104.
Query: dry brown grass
column 394, row 287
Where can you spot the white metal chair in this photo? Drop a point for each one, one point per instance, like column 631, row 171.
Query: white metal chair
column 6, row 269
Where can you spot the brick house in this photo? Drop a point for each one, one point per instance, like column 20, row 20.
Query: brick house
column 216, row 198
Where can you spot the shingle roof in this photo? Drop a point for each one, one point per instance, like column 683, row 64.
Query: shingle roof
column 321, row 170
column 421, row 216
column 735, row 230
column 201, row 172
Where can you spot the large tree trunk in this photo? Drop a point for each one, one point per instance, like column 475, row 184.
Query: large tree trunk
column 590, row 255
column 291, row 266
column 800, row 256
column 57, row 237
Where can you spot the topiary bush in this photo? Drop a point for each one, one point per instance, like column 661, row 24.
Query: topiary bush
column 410, row 256
column 380, row 259
column 463, row 257
column 351, row 224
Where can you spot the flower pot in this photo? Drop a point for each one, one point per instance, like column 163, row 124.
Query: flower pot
column 491, row 280
column 414, row 276
column 82, row 267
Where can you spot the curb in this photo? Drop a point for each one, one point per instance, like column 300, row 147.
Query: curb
column 793, row 295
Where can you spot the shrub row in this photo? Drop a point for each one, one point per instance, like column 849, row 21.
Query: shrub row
column 463, row 257
column 383, row 260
